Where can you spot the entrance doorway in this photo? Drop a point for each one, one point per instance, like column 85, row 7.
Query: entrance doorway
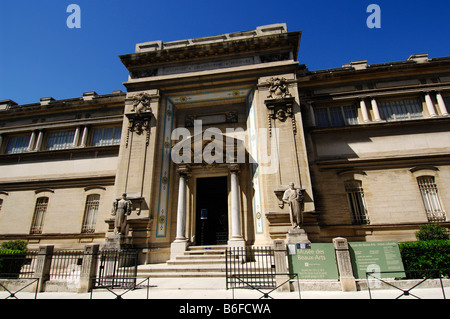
column 211, row 211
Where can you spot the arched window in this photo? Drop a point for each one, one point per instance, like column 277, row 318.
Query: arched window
column 90, row 214
column 430, row 197
column 357, row 202
column 39, row 213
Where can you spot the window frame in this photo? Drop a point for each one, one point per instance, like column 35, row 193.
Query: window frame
column 394, row 104
column 114, row 140
column 40, row 210
column 91, row 209
column 429, row 193
column 25, row 144
column 357, row 202
column 336, row 116
column 67, row 144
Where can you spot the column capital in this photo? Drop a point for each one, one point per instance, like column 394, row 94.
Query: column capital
column 183, row 169
column 234, row 168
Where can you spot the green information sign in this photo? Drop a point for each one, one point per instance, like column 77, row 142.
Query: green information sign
column 377, row 257
column 317, row 262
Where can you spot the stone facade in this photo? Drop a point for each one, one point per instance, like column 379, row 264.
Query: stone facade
column 235, row 119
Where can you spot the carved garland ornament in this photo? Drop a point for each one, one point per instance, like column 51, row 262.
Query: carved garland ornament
column 279, row 102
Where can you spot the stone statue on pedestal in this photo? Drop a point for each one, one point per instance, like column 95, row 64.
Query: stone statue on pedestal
column 121, row 209
column 294, row 198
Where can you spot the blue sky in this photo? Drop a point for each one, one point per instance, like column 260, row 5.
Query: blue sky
column 40, row 56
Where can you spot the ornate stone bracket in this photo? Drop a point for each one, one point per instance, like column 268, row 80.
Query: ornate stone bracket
column 140, row 116
column 280, row 103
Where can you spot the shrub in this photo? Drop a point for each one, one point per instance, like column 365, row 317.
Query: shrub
column 432, row 232
column 18, row 244
column 426, row 255
column 12, row 258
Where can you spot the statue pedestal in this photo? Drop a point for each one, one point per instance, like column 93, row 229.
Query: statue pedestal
column 297, row 236
column 118, row 242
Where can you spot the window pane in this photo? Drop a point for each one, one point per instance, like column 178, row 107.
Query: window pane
column 429, row 192
column 106, row 136
column 117, row 135
column 386, row 111
column 357, row 203
column 17, row 144
column 322, row 117
column 351, row 115
column 60, row 140
column 415, row 109
column 90, row 214
column 38, row 217
column 336, row 116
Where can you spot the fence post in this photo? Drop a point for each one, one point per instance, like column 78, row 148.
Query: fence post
column 281, row 264
column 88, row 267
column 43, row 264
column 346, row 277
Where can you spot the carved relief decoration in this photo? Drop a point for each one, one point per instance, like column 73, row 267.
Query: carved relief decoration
column 140, row 116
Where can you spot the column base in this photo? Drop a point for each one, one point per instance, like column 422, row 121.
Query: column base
column 236, row 242
column 178, row 247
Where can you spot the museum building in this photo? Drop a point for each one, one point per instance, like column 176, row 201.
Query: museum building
column 208, row 135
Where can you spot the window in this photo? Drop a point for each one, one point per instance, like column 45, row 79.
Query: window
column 17, row 144
column 428, row 190
column 401, row 110
column 336, row 116
column 90, row 214
column 60, row 140
column 1, row 204
column 357, row 202
column 106, row 136
column 39, row 213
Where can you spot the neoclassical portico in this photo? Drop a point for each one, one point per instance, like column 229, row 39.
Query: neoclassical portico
column 235, row 231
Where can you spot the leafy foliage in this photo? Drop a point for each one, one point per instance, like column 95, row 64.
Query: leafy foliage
column 18, row 244
column 432, row 231
column 426, row 255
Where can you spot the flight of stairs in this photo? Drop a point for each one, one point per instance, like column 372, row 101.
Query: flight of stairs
column 197, row 261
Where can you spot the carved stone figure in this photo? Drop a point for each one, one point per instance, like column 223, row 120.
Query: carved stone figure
column 121, row 209
column 278, row 88
column 294, row 198
column 141, row 103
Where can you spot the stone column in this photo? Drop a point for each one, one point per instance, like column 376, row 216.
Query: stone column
column 180, row 244
column 84, row 136
column 236, row 227
column 312, row 116
column 376, row 111
column 441, row 104
column 181, row 209
column 76, row 137
column 39, row 141
column 346, row 277
column 430, row 105
column 364, row 112
column 32, row 140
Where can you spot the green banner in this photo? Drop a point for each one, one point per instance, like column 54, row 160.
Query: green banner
column 376, row 257
column 317, row 262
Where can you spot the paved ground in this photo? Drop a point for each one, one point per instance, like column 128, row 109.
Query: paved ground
column 188, row 289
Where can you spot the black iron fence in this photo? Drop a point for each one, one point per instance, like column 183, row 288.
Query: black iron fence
column 15, row 266
column 117, row 268
column 66, row 264
column 114, row 268
column 250, row 267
